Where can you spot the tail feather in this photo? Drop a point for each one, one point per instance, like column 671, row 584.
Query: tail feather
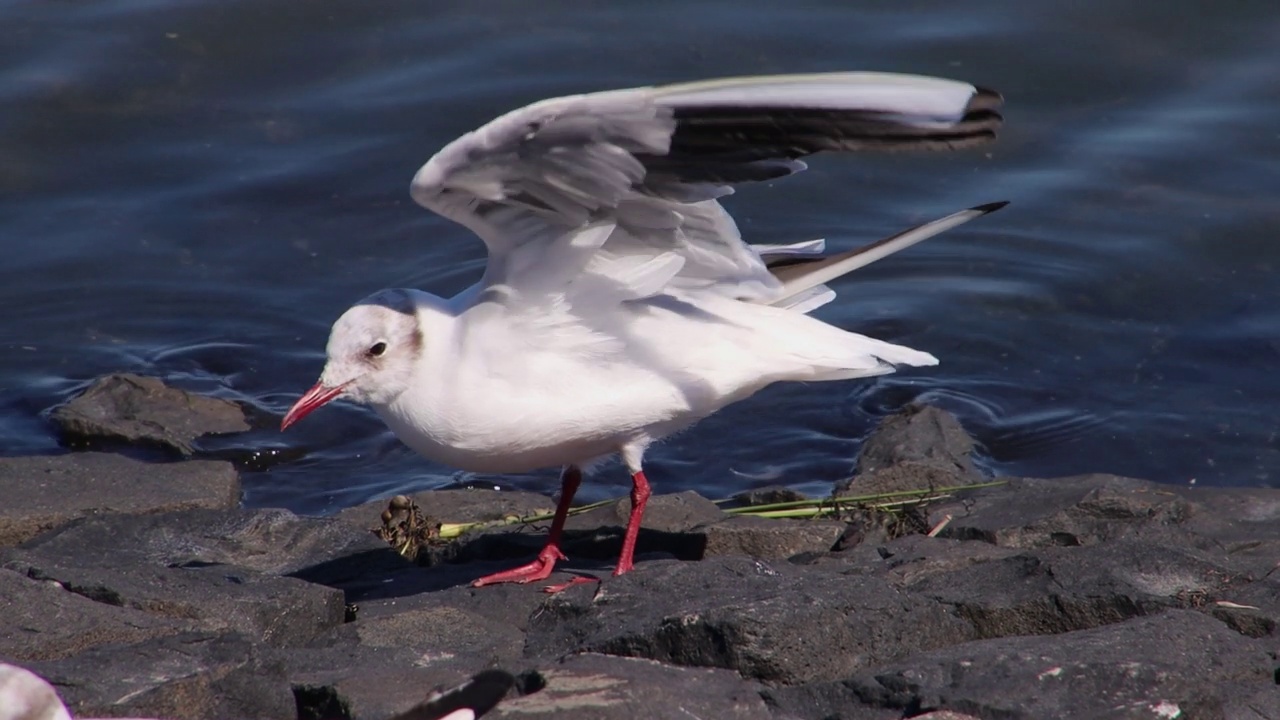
column 809, row 300
column 800, row 277
column 866, row 357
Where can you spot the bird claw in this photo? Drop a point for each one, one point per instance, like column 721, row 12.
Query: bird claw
column 539, row 569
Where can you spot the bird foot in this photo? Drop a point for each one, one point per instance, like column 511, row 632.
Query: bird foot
column 539, row 569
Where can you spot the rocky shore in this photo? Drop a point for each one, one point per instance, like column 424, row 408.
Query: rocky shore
column 143, row 589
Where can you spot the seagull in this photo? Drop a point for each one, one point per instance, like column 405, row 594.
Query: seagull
column 619, row 303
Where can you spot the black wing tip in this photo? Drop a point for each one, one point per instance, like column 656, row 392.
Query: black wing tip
column 985, row 98
column 989, row 207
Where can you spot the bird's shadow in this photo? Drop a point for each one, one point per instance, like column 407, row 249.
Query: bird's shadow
column 372, row 575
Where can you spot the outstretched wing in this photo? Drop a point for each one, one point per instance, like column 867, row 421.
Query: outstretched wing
column 626, row 181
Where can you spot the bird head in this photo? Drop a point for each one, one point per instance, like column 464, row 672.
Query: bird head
column 372, row 351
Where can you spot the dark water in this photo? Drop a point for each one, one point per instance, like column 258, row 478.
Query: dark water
column 196, row 190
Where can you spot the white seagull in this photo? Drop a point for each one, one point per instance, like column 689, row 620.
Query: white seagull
column 619, row 303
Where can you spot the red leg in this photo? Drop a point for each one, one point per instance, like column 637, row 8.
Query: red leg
column 639, row 497
column 541, row 567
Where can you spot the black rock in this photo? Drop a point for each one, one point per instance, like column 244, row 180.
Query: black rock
column 768, row 538
column 918, row 448
column 266, row 541
column 1175, row 664
column 1080, row 510
column 45, row 621
column 46, row 492
column 600, row 687
column 1055, row 590
column 674, row 513
column 777, row 623
column 195, row 676
column 137, row 410
column 371, row 673
column 208, row 596
column 768, row 496
column 477, row 696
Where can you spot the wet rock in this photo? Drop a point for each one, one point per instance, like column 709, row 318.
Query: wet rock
column 770, row 495
column 45, row 621
column 191, row 675
column 1175, row 664
column 777, row 623
column 768, row 538
column 601, row 687
column 45, row 492
column 137, row 410
column 920, row 447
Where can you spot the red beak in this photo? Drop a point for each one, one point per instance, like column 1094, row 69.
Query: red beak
column 314, row 398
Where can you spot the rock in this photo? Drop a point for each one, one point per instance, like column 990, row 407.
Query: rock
column 343, row 678
column 768, row 538
column 600, row 687
column 191, row 675
column 918, row 448
column 478, row 695
column 1094, row 596
column 209, row 596
column 137, row 410
column 266, row 541
column 44, row 621
column 1249, row 701
column 1082, row 510
column 905, row 476
column 46, row 492
column 770, row 495
column 1175, row 664
column 428, row 631
column 218, row 568
column 1243, row 522
column 1056, row 590
column 675, row 513
column 776, row 623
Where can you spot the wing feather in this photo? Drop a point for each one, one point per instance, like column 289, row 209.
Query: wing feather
column 651, row 162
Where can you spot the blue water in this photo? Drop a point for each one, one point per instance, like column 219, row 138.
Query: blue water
column 197, row 189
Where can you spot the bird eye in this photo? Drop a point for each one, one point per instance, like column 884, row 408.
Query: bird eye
column 377, row 349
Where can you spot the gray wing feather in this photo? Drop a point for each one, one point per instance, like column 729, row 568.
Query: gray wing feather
column 653, row 161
